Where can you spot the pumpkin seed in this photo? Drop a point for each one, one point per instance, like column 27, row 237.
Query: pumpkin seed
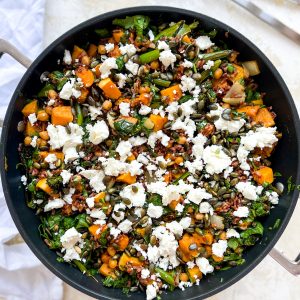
column 91, row 101
column 153, row 240
column 222, row 191
column 226, row 114
column 135, row 189
column 37, row 165
column 21, row 126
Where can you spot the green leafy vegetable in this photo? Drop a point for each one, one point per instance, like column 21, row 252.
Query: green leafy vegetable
column 150, row 56
column 120, row 63
column 250, row 235
column 104, row 32
column 44, row 91
column 155, row 199
column 233, row 243
column 124, row 127
column 169, row 32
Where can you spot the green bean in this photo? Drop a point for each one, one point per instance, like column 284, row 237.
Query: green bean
column 182, row 177
column 206, row 73
column 215, row 55
column 79, row 114
column 165, row 276
column 185, row 29
column 169, row 32
column 150, row 56
column 162, row 82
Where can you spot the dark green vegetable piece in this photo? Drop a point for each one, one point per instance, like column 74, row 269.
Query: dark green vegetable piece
column 169, row 32
column 124, row 127
column 185, row 98
column 139, row 23
column 120, row 63
column 55, row 181
column 155, row 199
column 150, row 56
column 185, row 29
column 249, row 236
column 79, row 114
column 162, row 82
column 102, row 32
column 206, row 73
column 165, row 276
column 216, row 55
column 182, row 177
column 81, row 221
column 120, row 282
column 44, row 91
column 233, row 243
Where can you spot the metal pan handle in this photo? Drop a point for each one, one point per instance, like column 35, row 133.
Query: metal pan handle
column 6, row 47
column 291, row 266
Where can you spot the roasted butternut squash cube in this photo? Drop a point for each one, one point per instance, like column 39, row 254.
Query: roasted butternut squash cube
column 61, row 115
column 110, row 89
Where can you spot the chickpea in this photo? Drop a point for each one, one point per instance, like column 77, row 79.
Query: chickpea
column 178, row 160
column 101, row 49
column 112, row 263
column 111, row 251
column 183, row 277
column 199, row 216
column 182, row 140
column 222, row 235
column 218, row 73
column 27, row 140
column 48, row 110
column 144, row 89
column 85, row 60
column 44, row 135
column 52, row 94
column 42, row 116
column 42, row 143
column 154, row 65
column 107, row 105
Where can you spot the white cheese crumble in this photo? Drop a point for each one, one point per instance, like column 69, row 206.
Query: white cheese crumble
column 114, row 232
column 167, row 58
column 145, row 273
column 132, row 67
column 151, row 291
column 121, row 79
column 106, row 66
column 159, row 135
column 95, row 178
column 248, row 190
column 204, row 265
column 273, row 197
column 124, row 149
column 124, row 108
column 215, row 159
column 70, row 238
column 197, row 195
column 162, row 45
column 68, row 197
column 232, row 233
column 98, row 132
column 154, row 211
column 175, row 228
column 125, row 226
column 242, row 212
column 206, row 208
column 109, row 47
column 94, row 112
column 90, row 201
column 232, row 126
column 128, row 49
column 208, row 65
column 261, row 138
column 151, row 35
column 188, row 125
column 67, row 57
column 187, row 83
column 66, row 176
column 51, row 159
column 135, row 193
column 54, row 204
column 69, row 90
column 24, row 179
column 204, row 42
column 219, row 248
column 32, row 118
column 187, row 64
column 120, row 213
column 33, row 141
column 144, row 110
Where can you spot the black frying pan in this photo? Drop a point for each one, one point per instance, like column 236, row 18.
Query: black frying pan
column 285, row 159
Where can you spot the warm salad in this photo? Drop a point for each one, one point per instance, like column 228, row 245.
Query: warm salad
column 147, row 156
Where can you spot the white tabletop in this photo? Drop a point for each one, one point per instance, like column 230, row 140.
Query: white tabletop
column 268, row 281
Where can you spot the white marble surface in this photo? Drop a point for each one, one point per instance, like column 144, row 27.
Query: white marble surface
column 268, row 280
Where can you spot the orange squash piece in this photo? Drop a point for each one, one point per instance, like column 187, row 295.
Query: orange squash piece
column 44, row 186
column 96, row 230
column 99, row 196
column 61, row 115
column 143, row 98
column 249, row 110
column 264, row 117
column 86, row 76
column 186, row 39
column 238, row 74
column 59, row 155
column 128, row 119
column 122, row 241
column 110, row 89
column 105, row 270
column 117, row 34
column 127, row 261
column 92, row 51
column 115, row 52
column 126, row 178
column 158, row 121
column 30, row 130
column 30, row 108
column 172, row 93
column 77, row 52
column 84, row 93
column 194, row 273
column 217, row 258
column 263, row 174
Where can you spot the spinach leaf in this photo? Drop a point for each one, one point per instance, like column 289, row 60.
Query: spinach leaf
column 81, row 221
column 250, row 235
column 44, row 91
column 103, row 32
column 124, row 127
column 233, row 243
column 258, row 209
column 121, row 282
column 120, row 63
column 155, row 199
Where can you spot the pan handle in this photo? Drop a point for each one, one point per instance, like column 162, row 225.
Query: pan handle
column 291, row 266
column 7, row 47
